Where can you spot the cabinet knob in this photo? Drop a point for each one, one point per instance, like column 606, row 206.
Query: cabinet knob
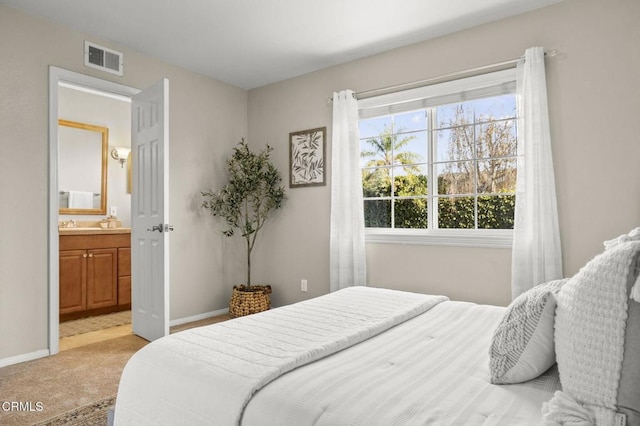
column 84, row 255
column 90, row 254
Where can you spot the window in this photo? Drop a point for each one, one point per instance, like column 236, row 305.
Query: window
column 439, row 163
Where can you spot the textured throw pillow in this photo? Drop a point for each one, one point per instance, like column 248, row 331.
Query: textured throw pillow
column 597, row 335
column 522, row 347
column 629, row 388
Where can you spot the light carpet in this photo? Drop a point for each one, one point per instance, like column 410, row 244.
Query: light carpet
column 75, row 385
column 63, row 382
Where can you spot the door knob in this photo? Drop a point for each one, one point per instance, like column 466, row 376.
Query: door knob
column 161, row 228
column 158, row 228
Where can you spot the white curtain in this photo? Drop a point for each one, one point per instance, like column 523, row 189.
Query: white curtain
column 347, row 260
column 536, row 254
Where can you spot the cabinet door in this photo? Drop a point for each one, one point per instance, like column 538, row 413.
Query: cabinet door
column 124, row 261
column 102, row 278
column 73, row 276
column 124, row 276
column 124, row 290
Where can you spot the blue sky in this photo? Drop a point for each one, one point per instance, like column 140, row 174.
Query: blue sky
column 414, row 123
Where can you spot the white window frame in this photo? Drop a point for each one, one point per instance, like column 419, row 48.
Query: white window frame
column 485, row 85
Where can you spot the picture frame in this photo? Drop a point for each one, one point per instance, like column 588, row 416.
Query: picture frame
column 307, row 150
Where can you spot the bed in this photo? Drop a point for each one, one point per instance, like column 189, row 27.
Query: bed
column 371, row 356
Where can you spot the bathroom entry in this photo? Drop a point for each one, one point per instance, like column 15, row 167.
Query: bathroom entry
column 156, row 288
column 94, row 216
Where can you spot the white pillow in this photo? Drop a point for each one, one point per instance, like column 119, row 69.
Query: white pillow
column 522, row 347
column 595, row 343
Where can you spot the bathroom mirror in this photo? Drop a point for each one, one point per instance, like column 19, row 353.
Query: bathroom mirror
column 82, row 168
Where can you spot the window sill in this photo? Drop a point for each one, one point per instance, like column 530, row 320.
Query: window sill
column 488, row 238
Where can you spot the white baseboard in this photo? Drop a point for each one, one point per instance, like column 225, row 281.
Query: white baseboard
column 45, row 352
column 198, row 317
column 23, row 358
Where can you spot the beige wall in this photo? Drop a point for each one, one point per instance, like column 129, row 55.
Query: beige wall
column 594, row 99
column 206, row 118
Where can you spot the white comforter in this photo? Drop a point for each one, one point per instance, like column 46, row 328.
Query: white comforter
column 430, row 370
column 208, row 375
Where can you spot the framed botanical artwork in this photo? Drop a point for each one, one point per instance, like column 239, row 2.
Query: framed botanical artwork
column 307, row 157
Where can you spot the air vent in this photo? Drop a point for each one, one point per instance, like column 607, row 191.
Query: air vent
column 102, row 58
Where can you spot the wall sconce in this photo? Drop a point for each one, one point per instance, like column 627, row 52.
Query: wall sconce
column 120, row 153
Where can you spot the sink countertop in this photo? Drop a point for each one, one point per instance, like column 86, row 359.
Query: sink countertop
column 92, row 231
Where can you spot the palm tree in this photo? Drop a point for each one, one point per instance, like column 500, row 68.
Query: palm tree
column 387, row 150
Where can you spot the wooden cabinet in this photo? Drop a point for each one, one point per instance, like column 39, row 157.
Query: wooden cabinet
column 95, row 274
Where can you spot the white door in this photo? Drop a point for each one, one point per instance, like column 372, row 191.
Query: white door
column 150, row 212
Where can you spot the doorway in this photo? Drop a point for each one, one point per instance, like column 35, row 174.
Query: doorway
column 58, row 77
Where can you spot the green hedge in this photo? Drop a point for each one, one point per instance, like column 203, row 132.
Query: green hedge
column 493, row 211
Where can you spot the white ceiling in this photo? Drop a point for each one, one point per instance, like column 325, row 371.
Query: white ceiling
column 251, row 43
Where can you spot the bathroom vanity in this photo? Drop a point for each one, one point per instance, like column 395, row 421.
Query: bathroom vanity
column 95, row 271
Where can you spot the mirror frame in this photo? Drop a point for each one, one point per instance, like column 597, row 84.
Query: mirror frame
column 104, row 131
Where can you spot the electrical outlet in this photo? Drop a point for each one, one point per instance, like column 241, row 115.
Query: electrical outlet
column 113, row 211
column 303, row 285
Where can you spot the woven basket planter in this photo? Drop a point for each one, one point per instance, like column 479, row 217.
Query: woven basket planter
column 247, row 301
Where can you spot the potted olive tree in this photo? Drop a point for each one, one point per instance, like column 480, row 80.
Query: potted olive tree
column 245, row 202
